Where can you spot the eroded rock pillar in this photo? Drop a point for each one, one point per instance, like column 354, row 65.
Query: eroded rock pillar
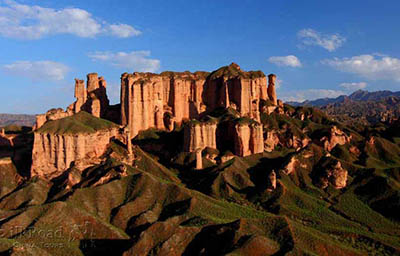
column 271, row 89
column 199, row 159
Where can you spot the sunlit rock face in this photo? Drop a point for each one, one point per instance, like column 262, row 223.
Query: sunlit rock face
column 79, row 140
column 156, row 100
column 92, row 99
column 335, row 175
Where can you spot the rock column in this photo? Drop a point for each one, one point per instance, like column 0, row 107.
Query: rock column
column 271, row 89
column 199, row 159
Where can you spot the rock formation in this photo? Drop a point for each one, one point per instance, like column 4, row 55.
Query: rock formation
column 248, row 139
column 335, row 137
column 271, row 182
column 291, row 165
column 199, row 159
column 200, row 135
column 335, row 175
column 55, row 151
column 157, row 100
column 271, row 89
column 162, row 101
column 52, row 114
column 92, row 99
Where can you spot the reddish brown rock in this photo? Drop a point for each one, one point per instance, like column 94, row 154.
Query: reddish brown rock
column 200, row 135
column 248, row 139
column 57, row 147
column 291, row 165
column 52, row 153
column 271, row 140
column 271, row 182
column 271, row 89
column 335, row 175
column 157, row 100
column 335, row 137
column 199, row 159
column 80, row 95
column 52, row 114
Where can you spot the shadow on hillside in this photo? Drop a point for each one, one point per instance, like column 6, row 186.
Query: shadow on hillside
column 104, row 246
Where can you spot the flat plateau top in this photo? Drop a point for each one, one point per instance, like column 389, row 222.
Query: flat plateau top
column 81, row 122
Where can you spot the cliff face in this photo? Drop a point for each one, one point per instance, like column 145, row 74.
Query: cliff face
column 155, row 100
column 248, row 139
column 55, row 149
column 52, row 154
column 335, row 137
column 200, row 136
column 92, row 99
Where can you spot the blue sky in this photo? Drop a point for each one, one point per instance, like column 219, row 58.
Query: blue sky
column 316, row 48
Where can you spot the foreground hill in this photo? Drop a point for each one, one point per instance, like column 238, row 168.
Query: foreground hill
column 323, row 189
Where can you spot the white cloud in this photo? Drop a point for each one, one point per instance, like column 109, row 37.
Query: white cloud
column 38, row 70
column 353, row 86
column 329, row 42
column 135, row 60
column 278, row 83
column 310, row 94
column 34, row 22
column 123, row 30
column 372, row 67
column 290, row 60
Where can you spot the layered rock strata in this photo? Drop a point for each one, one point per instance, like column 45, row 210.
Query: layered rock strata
column 55, row 151
column 200, row 135
column 335, row 137
column 155, row 100
column 248, row 139
column 92, row 99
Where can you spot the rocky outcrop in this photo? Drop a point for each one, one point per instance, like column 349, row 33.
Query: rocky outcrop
column 271, row 140
column 335, row 137
column 55, row 150
column 248, row 139
column 51, row 115
column 52, row 153
column 271, row 89
column 335, row 175
column 200, row 135
column 199, row 159
column 292, row 164
column 158, row 100
column 92, row 99
column 271, row 182
column 97, row 101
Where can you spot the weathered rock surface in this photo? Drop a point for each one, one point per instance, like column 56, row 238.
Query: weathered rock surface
column 271, row 182
column 335, row 137
column 335, row 175
column 248, row 139
column 92, row 99
column 271, row 89
column 54, row 150
column 200, row 135
column 155, row 100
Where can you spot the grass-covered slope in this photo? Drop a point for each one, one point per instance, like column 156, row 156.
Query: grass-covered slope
column 158, row 204
column 81, row 122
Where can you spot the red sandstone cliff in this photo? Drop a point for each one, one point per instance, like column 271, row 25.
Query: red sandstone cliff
column 92, row 99
column 248, row 139
column 153, row 100
column 199, row 135
column 54, row 151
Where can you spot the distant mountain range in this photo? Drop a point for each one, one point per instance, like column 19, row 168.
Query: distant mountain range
column 14, row 119
column 361, row 107
column 359, row 95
